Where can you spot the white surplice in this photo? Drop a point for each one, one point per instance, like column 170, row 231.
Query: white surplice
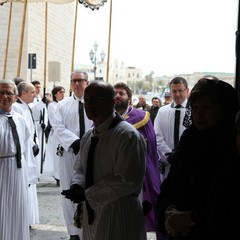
column 51, row 163
column 33, row 172
column 14, row 223
column 39, row 110
column 164, row 129
column 118, row 172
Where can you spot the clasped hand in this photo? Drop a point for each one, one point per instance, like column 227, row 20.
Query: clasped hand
column 75, row 194
column 178, row 223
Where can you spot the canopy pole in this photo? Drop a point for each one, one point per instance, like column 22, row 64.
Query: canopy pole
column 74, row 41
column 8, row 37
column 21, row 40
column 237, row 52
column 109, row 40
column 45, row 48
column 74, row 35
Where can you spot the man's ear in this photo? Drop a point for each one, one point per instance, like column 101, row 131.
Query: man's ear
column 130, row 101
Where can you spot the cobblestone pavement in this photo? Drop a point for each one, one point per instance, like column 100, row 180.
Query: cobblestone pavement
column 52, row 225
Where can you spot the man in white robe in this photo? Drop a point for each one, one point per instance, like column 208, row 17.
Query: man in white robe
column 118, row 172
column 40, row 116
column 26, row 94
column 164, row 122
column 14, row 223
column 66, row 126
column 51, row 163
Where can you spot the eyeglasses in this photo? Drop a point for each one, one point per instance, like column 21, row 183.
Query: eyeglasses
column 178, row 91
column 79, row 81
column 8, row 94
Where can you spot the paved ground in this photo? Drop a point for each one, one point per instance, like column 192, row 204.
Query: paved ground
column 52, row 226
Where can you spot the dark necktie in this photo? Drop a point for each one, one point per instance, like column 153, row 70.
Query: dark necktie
column 176, row 125
column 81, row 119
column 35, row 134
column 89, row 170
column 16, row 141
column 89, row 175
column 30, row 110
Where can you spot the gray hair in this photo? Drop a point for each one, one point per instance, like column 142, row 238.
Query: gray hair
column 11, row 83
column 23, row 87
column 18, row 80
column 79, row 71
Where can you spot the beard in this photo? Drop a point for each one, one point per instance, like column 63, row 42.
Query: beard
column 121, row 106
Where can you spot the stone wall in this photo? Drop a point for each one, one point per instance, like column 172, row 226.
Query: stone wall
column 60, row 29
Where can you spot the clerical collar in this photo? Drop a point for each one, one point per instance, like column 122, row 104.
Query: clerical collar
column 126, row 112
column 183, row 104
column 79, row 99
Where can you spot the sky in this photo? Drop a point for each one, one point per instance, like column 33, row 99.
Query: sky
column 167, row 37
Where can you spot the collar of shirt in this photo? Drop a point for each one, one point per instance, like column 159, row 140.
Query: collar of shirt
column 126, row 112
column 183, row 104
column 105, row 125
column 79, row 99
column 25, row 104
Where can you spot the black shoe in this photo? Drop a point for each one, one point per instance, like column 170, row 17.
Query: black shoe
column 74, row 237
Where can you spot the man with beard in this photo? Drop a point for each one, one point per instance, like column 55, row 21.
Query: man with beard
column 142, row 122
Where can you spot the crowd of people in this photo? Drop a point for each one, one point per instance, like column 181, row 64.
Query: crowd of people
column 123, row 170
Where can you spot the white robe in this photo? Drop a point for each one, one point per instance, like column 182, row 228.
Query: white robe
column 164, row 129
column 23, row 109
column 14, row 223
column 67, row 130
column 119, row 169
column 51, row 163
column 33, row 172
column 39, row 109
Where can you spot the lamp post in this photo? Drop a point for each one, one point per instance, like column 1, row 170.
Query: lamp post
column 93, row 57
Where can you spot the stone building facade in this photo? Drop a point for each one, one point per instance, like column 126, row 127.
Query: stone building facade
column 59, row 39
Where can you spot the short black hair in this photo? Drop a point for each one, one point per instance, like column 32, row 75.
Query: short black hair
column 124, row 86
column 55, row 90
column 35, row 82
column 177, row 80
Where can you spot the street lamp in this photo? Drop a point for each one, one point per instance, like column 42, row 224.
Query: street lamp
column 93, row 57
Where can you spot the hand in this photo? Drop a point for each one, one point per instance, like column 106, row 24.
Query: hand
column 76, row 146
column 75, row 194
column 35, row 149
column 178, row 223
column 44, row 100
column 147, row 207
